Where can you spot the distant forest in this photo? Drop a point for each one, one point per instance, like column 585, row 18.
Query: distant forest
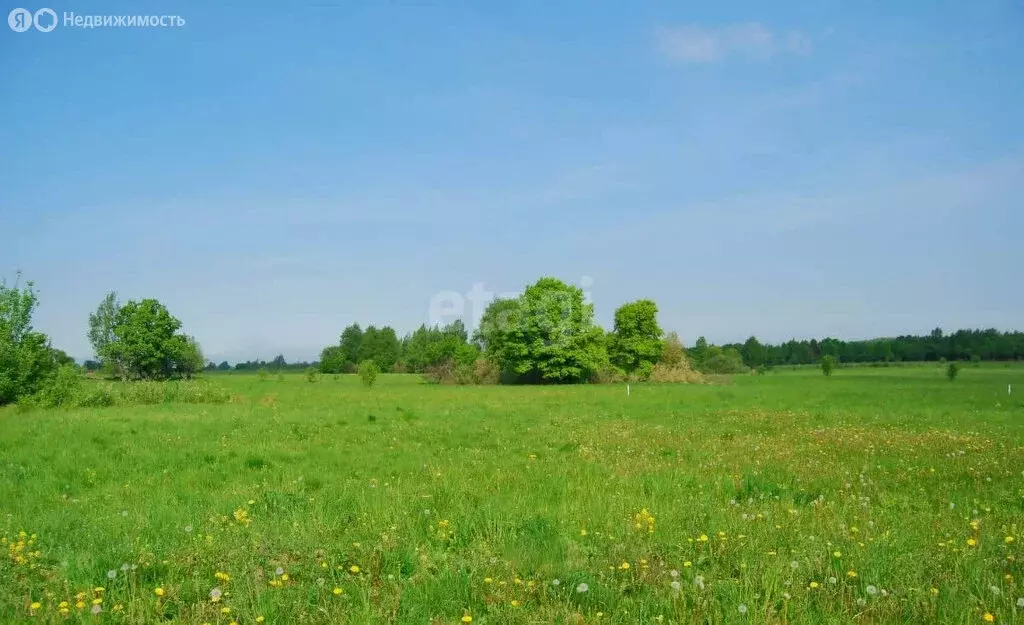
column 404, row 355
column 960, row 345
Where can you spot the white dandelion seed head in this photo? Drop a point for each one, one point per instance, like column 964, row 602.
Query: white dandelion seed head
column 125, row 567
column 994, row 590
column 279, row 571
column 676, row 586
column 134, row 566
column 216, row 594
column 96, row 609
column 582, row 587
column 885, row 593
column 188, row 529
column 861, row 601
column 556, row 582
column 320, row 581
column 794, row 565
column 787, row 596
column 832, row 580
column 124, row 513
column 674, row 573
column 742, row 608
column 699, row 581
column 111, row 574
column 1020, row 602
column 871, row 590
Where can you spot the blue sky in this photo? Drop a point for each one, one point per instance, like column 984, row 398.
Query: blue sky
column 828, row 168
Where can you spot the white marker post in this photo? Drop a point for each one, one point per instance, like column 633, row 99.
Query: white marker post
column 627, row 390
column 1009, row 388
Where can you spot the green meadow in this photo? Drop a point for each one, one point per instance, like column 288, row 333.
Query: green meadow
column 876, row 495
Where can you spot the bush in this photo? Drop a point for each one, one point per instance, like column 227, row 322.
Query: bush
column 828, row 363
column 952, row 370
column 679, row 374
column 368, row 371
column 725, row 361
column 61, row 389
column 311, row 375
column 486, row 372
column 67, row 390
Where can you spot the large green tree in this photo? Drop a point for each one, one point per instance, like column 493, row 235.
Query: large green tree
column 635, row 342
column 351, row 343
column 26, row 359
column 549, row 336
column 101, row 330
column 145, row 343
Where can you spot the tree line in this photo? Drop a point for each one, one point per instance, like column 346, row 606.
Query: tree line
column 961, row 345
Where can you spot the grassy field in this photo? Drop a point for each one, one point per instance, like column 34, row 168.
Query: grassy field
column 876, row 495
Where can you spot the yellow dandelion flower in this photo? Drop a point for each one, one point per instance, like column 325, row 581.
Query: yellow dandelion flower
column 159, row 592
column 988, row 618
column 63, row 604
column 467, row 619
column 338, row 591
column 1008, row 540
column 971, row 542
column 285, row 578
column 814, row 584
column 583, row 532
column 488, row 580
column 98, row 589
column 703, row 538
column 259, row 619
column 353, row 569
column 97, row 601
column 624, row 566
column 35, row 605
column 225, row 610
column 80, row 605
column 515, row 603
column 935, row 591
column 687, row 564
column 837, row 554
column 851, row 573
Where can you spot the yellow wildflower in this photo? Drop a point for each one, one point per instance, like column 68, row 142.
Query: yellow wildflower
column 159, row 592
column 353, row 569
column 338, row 591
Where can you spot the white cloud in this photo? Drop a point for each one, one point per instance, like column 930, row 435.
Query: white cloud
column 696, row 44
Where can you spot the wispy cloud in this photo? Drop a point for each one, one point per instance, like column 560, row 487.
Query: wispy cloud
column 698, row 44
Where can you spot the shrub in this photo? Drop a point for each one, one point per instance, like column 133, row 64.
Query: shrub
column 263, row 375
column 311, row 375
column 952, row 370
column 368, row 371
column 486, row 372
column 724, row 361
column 679, row 374
column 828, row 363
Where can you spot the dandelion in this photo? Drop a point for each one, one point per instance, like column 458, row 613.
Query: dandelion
column 742, row 608
column 111, row 574
column 215, row 595
column 837, row 554
column 851, row 573
column 1008, row 540
column 159, row 592
column 861, row 601
column 353, row 569
column 832, row 580
column 686, row 565
column 488, row 580
column 994, row 590
column 467, row 619
column 971, row 542
column 284, row 578
column 871, row 590
column 515, row 603
column 556, row 582
column 988, row 617
column 676, row 586
column 1020, row 602
column 337, row 591
column 188, row 529
column 225, row 610
column 278, row 571
column 35, row 605
column 124, row 568
column 97, row 601
column 794, row 565
column 96, row 609
column 583, row 532
column 703, row 538
column 624, row 566
column 582, row 587
column 80, row 605
column 98, row 590
column 260, row 619
column 787, row 596
column 699, row 582
column 814, row 585
column 222, row 576
column 674, row 573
